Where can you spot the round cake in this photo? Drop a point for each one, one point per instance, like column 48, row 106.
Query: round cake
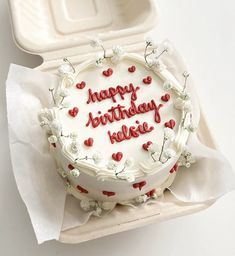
column 119, row 126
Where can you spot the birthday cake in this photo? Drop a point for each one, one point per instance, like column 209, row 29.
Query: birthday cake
column 119, row 126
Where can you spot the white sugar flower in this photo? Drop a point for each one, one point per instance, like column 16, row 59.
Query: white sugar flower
column 153, row 148
column 191, row 128
column 129, row 162
column 64, row 92
column 64, row 174
column 107, row 205
column 65, row 69
column 112, row 165
column 73, row 135
column 179, row 103
column 97, row 157
column 141, row 199
column 187, row 107
column 118, row 50
column 95, row 42
column 149, row 41
column 97, row 211
column 75, row 173
column 117, row 53
column 169, row 153
column 186, row 159
column 167, row 86
column 86, row 204
column 74, row 147
column 99, row 59
column 52, row 139
column 169, row 134
column 184, row 96
column 45, row 113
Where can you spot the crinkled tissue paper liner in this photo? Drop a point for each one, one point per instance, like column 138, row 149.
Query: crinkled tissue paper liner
column 42, row 189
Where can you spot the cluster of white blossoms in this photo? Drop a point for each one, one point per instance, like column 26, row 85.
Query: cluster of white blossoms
column 120, row 169
column 186, row 159
column 152, row 57
column 95, row 207
column 75, row 173
column 97, row 157
column 115, row 56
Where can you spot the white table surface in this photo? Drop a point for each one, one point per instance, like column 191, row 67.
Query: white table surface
column 203, row 31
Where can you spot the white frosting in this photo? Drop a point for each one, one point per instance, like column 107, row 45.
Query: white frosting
column 95, row 172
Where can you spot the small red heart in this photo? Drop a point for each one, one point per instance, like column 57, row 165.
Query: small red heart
column 80, row 85
column 150, row 193
column 139, row 185
column 82, row 190
column 73, row 112
column 170, row 124
column 145, row 146
column 132, row 69
column 108, row 72
column 89, row 142
column 117, row 156
column 71, row 167
column 108, row 193
column 165, row 97
column 147, row 80
column 174, row 168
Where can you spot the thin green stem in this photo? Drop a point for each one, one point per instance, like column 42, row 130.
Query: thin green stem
column 163, row 145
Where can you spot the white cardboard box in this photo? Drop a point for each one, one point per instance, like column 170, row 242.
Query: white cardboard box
column 55, row 29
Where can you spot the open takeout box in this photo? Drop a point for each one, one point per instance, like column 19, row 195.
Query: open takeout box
column 57, row 29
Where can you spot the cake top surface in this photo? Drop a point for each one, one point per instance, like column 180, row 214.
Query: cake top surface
column 118, row 113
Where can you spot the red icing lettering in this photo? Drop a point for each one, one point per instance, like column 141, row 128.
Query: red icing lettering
column 128, row 133
column 120, row 112
column 111, row 93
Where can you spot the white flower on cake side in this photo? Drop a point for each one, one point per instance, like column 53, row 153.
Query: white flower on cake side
column 186, row 158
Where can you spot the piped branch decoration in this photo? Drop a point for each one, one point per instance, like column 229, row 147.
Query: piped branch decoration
column 119, row 169
column 162, row 154
column 115, row 55
column 153, row 53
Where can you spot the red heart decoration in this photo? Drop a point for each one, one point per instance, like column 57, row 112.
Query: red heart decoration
column 132, row 69
column 108, row 72
column 71, row 167
column 82, row 190
column 170, row 124
column 73, row 112
column 165, row 97
column 117, row 156
column 147, row 80
column 80, row 85
column 89, row 142
column 108, row 193
column 150, row 193
column 139, row 185
column 145, row 146
column 174, row 168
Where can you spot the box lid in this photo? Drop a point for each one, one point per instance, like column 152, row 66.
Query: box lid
column 58, row 28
